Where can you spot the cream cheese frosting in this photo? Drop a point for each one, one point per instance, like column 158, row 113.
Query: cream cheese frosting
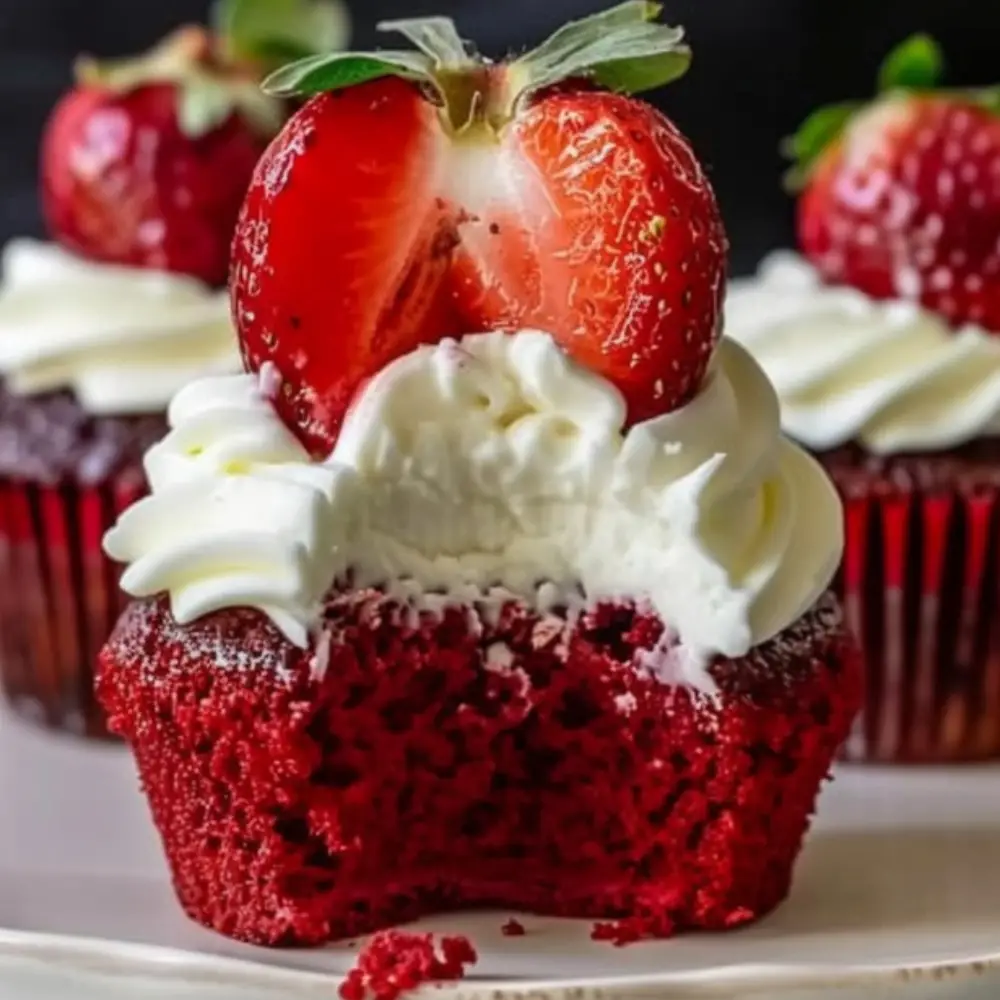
column 124, row 340
column 890, row 375
column 238, row 515
column 493, row 466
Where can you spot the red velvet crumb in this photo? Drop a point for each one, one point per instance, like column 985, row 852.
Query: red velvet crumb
column 622, row 932
column 513, row 928
column 530, row 762
column 393, row 963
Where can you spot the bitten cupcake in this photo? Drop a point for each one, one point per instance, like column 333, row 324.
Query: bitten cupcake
column 521, row 618
column 144, row 166
column 882, row 341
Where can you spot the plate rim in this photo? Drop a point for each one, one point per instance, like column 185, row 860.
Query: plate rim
column 125, row 960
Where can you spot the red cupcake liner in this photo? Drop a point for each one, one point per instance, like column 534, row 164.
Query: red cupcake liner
column 522, row 762
column 920, row 587
column 59, row 597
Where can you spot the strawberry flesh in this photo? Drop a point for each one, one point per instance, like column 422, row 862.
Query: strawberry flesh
column 341, row 247
column 369, row 230
column 608, row 237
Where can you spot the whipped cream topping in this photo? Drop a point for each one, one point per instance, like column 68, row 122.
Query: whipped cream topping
column 238, row 515
column 124, row 340
column 890, row 375
column 494, row 466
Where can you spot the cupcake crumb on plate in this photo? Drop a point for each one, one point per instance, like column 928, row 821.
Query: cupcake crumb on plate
column 395, row 962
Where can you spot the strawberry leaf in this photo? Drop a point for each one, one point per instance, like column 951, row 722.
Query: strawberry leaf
column 207, row 94
column 436, row 37
column 275, row 31
column 576, row 34
column 205, row 101
column 338, row 71
column 203, row 104
column 644, row 61
column 915, row 64
column 820, row 130
column 623, row 48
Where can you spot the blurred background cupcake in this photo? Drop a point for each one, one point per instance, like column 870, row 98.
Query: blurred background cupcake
column 144, row 164
column 882, row 340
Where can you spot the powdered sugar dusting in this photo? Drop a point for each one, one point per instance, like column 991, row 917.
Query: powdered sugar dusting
column 239, row 641
column 674, row 665
column 626, row 703
column 244, row 641
column 321, row 658
column 498, row 657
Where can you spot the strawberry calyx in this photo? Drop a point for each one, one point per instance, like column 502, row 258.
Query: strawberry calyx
column 217, row 72
column 270, row 33
column 623, row 49
column 915, row 67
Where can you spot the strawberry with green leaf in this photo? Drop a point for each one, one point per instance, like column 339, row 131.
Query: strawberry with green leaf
column 429, row 193
column 900, row 197
column 145, row 161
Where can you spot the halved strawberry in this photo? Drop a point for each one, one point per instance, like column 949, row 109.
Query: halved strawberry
column 145, row 161
column 901, row 197
column 432, row 193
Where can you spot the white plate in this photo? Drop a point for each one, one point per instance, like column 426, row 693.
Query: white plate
column 897, row 891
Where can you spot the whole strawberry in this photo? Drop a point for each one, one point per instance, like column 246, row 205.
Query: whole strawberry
column 901, row 197
column 431, row 193
column 145, row 162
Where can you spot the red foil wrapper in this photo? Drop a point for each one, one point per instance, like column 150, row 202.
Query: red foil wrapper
column 920, row 588
column 59, row 597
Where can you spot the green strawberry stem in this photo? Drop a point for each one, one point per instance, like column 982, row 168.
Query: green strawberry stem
column 623, row 48
column 217, row 72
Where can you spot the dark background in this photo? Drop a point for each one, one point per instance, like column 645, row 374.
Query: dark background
column 760, row 66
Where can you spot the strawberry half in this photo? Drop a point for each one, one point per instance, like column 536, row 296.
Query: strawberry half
column 432, row 193
column 145, row 161
column 901, row 197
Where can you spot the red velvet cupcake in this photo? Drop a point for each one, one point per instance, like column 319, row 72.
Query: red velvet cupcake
column 90, row 355
column 538, row 631
column 99, row 329
column 883, row 347
column 523, row 762
column 430, row 741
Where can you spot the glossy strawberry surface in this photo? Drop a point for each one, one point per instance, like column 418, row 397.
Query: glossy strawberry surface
column 907, row 205
column 370, row 228
column 122, row 183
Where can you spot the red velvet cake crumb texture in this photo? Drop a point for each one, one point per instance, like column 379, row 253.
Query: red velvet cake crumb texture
column 629, row 930
column 523, row 762
column 394, row 962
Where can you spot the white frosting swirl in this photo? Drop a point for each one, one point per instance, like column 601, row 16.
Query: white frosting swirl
column 124, row 340
column 890, row 375
column 238, row 517
column 497, row 465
